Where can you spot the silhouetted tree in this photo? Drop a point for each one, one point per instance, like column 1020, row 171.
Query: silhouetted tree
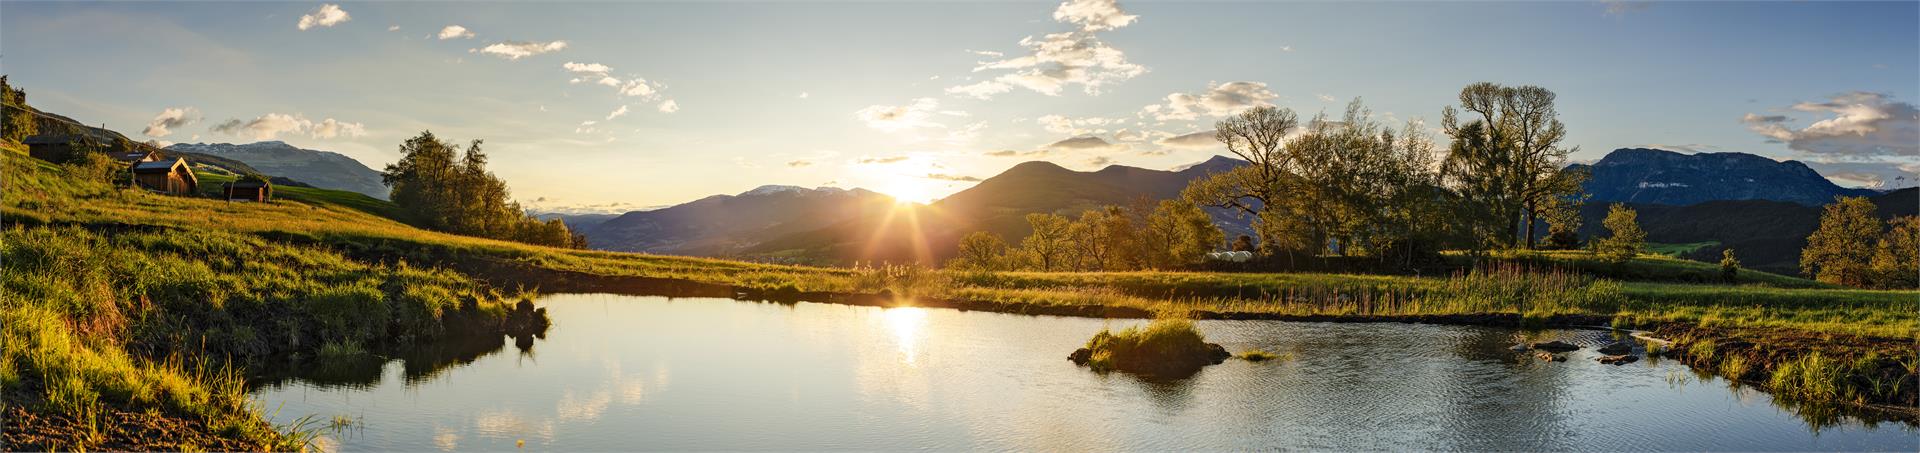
column 462, row 197
column 1627, row 239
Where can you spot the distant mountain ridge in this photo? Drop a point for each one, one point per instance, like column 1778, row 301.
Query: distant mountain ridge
column 1653, row 176
column 324, row 169
column 724, row 225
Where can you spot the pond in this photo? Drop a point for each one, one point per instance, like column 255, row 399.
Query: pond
column 650, row 373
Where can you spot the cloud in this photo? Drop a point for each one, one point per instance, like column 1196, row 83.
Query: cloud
column 1056, row 61
column 669, row 106
column 882, row 160
column 1076, row 126
column 617, row 113
column 947, row 177
column 393, row 28
column 1085, row 143
column 1196, row 140
column 804, row 95
column 633, row 87
column 800, row 163
column 587, row 68
column 1093, row 15
column 585, row 127
column 173, row 117
column 1013, row 153
column 896, row 118
column 1859, row 126
column 271, row 125
column 514, row 50
column 1326, row 97
column 1100, row 161
column 1219, row 100
column 1872, row 175
column 455, row 31
column 327, row 15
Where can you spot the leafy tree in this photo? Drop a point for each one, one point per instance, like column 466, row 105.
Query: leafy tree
column 980, row 251
column 460, row 196
column 1177, row 234
column 1627, row 239
column 1839, row 252
column 18, row 123
column 1562, row 213
column 1896, row 262
column 1050, row 246
column 1729, row 265
column 1506, row 155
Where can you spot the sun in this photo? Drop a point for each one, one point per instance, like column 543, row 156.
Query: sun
column 907, row 190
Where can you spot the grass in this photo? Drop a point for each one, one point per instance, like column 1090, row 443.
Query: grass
column 1163, row 345
column 1678, row 250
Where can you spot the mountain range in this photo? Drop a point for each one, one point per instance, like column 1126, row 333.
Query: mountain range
column 323, row 169
column 1652, row 176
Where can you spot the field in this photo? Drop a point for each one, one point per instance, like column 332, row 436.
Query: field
column 101, row 281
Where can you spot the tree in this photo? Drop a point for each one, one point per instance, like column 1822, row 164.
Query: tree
column 1729, row 265
column 980, row 251
column 1050, row 245
column 1627, row 239
column 1896, row 261
column 18, row 122
column 462, row 197
column 1507, row 155
column 1839, row 252
column 1562, row 213
column 1178, row 234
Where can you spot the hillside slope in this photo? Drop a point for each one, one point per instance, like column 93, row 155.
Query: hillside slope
column 723, row 225
column 323, row 169
column 1766, row 235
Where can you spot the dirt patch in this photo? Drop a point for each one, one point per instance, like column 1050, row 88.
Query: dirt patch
column 113, row 430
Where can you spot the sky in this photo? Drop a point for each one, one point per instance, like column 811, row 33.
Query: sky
column 614, row 106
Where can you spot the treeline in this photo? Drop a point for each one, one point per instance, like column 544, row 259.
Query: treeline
column 446, row 188
column 1145, row 235
column 1854, row 248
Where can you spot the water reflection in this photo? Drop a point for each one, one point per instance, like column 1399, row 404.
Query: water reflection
column 641, row 373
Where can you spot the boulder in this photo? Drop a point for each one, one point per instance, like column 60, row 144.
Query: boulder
column 1081, row 356
column 1555, row 346
column 1618, row 359
column 1549, row 357
column 1519, row 347
column 1617, row 348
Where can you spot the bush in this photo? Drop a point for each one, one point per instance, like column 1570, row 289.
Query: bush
column 1170, row 347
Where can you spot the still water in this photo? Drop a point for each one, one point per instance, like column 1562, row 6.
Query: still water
column 649, row 373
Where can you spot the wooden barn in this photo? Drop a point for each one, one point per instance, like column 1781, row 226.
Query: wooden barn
column 169, row 176
column 248, row 190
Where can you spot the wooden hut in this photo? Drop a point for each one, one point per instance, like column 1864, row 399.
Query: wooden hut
column 170, row 176
column 249, row 189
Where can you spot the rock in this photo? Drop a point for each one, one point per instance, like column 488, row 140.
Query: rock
column 1618, row 359
column 1549, row 357
column 1520, row 347
column 1081, row 356
column 1617, row 348
column 1555, row 346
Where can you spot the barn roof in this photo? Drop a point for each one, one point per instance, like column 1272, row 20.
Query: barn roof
column 158, row 166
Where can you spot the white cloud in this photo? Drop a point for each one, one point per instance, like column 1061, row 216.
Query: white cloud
column 455, row 31
column 1219, row 100
column 271, row 125
column 895, row 118
column 804, row 95
column 669, row 106
column 617, row 113
column 173, row 117
column 1861, row 125
column 1872, row 175
column 1326, row 97
column 1076, row 126
column 1059, row 60
column 1093, row 15
column 585, row 127
column 393, row 28
column 327, row 15
column 587, row 68
column 1196, row 140
column 514, row 50
column 1056, row 61
column 633, row 87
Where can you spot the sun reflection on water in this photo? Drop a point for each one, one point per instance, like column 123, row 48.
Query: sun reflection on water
column 906, row 323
